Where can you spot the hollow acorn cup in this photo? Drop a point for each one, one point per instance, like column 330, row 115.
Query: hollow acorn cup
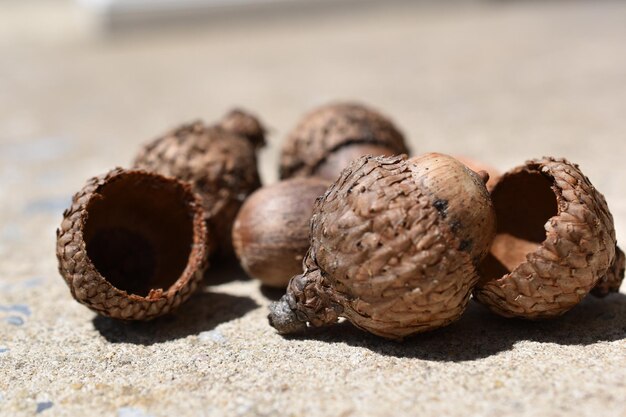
column 394, row 247
column 132, row 245
column 220, row 163
column 555, row 242
column 330, row 137
column 271, row 231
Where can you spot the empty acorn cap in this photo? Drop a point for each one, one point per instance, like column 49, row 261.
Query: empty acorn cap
column 555, row 242
column 220, row 164
column 394, row 247
column 332, row 127
column 132, row 245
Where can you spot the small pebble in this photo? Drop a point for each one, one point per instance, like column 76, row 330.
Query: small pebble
column 132, row 412
column 32, row 282
column 43, row 406
column 14, row 320
column 214, row 336
column 4, row 349
column 19, row 308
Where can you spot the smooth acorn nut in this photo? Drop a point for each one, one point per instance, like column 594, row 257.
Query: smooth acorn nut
column 330, row 137
column 394, row 247
column 271, row 231
column 478, row 166
column 220, row 163
column 133, row 244
column 555, row 242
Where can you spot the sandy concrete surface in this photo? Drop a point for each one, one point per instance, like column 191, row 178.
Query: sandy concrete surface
column 498, row 81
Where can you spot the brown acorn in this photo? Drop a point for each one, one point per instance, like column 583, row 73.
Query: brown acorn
column 555, row 242
column 271, row 231
column 132, row 245
column 330, row 137
column 220, row 163
column 478, row 166
column 394, row 247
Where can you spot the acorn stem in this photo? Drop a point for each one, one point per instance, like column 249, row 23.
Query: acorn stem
column 308, row 302
column 284, row 319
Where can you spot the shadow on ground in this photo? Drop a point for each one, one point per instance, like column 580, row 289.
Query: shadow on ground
column 203, row 311
column 223, row 269
column 480, row 334
column 271, row 293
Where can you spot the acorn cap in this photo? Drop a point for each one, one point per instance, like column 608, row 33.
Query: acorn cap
column 220, row 165
column 387, row 249
column 555, row 242
column 133, row 245
column 244, row 124
column 612, row 281
column 331, row 127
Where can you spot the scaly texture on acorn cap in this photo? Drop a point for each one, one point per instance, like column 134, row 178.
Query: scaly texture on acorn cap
column 242, row 123
column 389, row 250
column 331, row 127
column 555, row 242
column 219, row 163
column 133, row 244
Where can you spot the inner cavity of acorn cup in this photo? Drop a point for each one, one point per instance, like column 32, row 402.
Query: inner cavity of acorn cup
column 139, row 233
column 524, row 202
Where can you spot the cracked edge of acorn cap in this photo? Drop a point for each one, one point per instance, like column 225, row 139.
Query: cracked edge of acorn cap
column 497, row 293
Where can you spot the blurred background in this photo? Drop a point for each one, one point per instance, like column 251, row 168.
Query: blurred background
column 84, row 83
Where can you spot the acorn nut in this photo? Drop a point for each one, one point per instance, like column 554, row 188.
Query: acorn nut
column 220, row 163
column 395, row 243
column 555, row 242
column 330, row 137
column 478, row 166
column 133, row 244
column 271, row 231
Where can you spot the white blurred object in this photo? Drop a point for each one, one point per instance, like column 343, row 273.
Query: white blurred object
column 120, row 14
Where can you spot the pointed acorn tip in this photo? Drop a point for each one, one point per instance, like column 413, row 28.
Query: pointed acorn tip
column 284, row 319
column 484, row 176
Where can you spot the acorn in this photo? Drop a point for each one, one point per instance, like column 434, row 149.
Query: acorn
column 478, row 166
column 555, row 242
column 133, row 244
column 330, row 137
column 271, row 231
column 395, row 245
column 220, row 163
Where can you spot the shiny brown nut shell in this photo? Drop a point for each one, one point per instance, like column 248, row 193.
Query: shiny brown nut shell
column 478, row 166
column 271, row 231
